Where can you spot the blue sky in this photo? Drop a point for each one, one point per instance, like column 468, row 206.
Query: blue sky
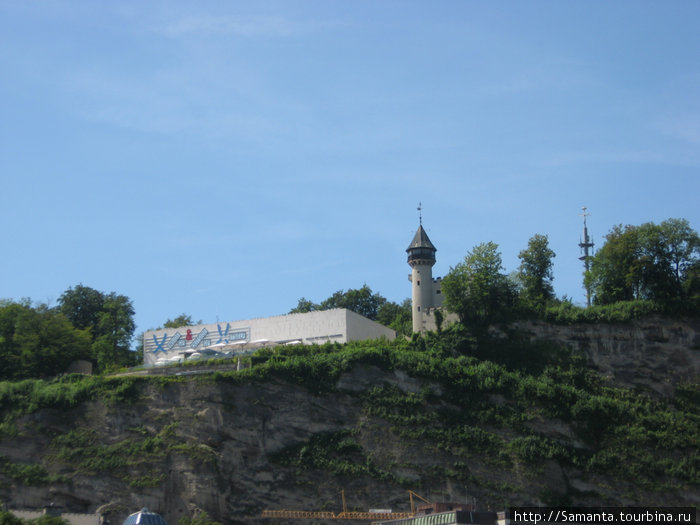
column 223, row 159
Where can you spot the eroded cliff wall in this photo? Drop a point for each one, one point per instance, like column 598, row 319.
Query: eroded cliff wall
column 235, row 447
column 654, row 354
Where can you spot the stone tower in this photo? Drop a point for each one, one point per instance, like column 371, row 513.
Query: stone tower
column 421, row 258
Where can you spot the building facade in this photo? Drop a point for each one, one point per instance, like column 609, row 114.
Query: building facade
column 337, row 325
column 426, row 293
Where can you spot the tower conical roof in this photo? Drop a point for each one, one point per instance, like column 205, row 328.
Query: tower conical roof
column 421, row 240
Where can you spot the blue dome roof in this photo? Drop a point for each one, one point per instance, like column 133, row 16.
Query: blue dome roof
column 145, row 517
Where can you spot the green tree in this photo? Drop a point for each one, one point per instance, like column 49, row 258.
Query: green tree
column 535, row 273
column 180, row 320
column 692, row 283
column 477, row 290
column 367, row 303
column 655, row 262
column 304, row 306
column 614, row 273
column 82, row 306
column 38, row 341
column 10, row 311
column 682, row 253
column 396, row 316
column 116, row 327
column 110, row 319
column 362, row 301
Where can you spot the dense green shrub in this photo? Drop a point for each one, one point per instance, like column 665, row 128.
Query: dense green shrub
column 26, row 473
column 7, row 518
column 619, row 312
column 201, row 518
column 535, row 449
column 336, row 452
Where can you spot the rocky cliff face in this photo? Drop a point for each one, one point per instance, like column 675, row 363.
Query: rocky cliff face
column 655, row 354
column 219, row 445
column 218, row 440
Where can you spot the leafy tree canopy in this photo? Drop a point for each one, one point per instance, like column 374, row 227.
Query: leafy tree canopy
column 116, row 328
column 656, row 262
column 477, row 290
column 396, row 316
column 535, row 273
column 181, row 320
column 364, row 302
column 361, row 301
column 110, row 319
column 38, row 341
column 82, row 306
column 304, row 306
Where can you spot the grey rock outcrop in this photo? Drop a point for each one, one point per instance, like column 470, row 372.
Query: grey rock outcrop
column 655, row 354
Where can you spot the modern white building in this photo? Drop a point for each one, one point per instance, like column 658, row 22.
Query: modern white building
column 338, row 325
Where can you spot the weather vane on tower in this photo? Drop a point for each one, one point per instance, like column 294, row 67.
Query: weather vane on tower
column 420, row 214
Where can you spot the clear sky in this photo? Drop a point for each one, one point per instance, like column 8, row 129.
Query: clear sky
column 224, row 159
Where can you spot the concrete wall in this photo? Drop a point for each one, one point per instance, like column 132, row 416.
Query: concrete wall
column 339, row 325
column 429, row 323
column 360, row 328
column 70, row 517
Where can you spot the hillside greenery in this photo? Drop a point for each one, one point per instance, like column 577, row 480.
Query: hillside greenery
column 485, row 397
column 660, row 262
column 639, row 270
column 37, row 341
column 480, row 397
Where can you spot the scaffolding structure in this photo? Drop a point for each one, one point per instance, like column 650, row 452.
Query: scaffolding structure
column 352, row 515
column 345, row 514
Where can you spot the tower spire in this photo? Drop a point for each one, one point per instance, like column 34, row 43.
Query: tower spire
column 585, row 244
column 421, row 258
column 420, row 214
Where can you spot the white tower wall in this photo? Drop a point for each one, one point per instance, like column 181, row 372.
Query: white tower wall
column 422, row 293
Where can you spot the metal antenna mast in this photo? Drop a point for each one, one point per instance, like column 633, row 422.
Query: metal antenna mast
column 586, row 244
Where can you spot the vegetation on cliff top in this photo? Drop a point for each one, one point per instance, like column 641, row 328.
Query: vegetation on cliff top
column 639, row 270
column 489, row 400
column 486, row 398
